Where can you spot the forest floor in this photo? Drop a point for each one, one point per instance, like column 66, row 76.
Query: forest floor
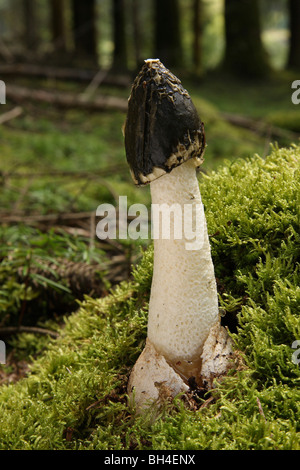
column 59, row 164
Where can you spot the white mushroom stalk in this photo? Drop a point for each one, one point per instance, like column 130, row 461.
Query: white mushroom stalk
column 184, row 302
column 164, row 140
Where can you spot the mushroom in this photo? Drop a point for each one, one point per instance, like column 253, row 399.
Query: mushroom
column 164, row 142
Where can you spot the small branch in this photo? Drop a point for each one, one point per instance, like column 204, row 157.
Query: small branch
column 53, row 218
column 93, row 405
column 94, row 84
column 92, row 231
column 207, row 402
column 12, row 114
column 260, row 127
column 22, row 195
column 64, row 73
column 26, row 284
column 5, row 52
column 261, row 411
column 66, row 100
column 12, row 330
column 108, row 171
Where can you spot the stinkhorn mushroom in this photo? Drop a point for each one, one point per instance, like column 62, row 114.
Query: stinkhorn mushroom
column 164, row 141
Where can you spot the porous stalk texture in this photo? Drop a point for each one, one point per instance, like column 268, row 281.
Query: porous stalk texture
column 183, row 302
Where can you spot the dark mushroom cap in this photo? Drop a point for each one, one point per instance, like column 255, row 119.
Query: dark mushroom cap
column 162, row 128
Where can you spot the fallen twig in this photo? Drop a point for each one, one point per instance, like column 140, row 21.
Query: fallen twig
column 12, row 114
column 12, row 330
column 5, row 51
column 94, row 84
column 66, row 100
column 52, row 218
column 109, row 170
column 260, row 127
column 261, row 411
column 64, row 73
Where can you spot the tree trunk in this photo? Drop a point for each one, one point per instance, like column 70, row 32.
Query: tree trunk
column 29, row 12
column 137, row 39
column 58, row 24
column 197, row 42
column 168, row 46
column 120, row 49
column 294, row 19
column 244, row 54
column 84, row 29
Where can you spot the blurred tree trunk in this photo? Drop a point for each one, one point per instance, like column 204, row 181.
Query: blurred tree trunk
column 168, row 46
column 29, row 12
column 136, row 32
column 244, row 53
column 119, row 35
column 294, row 19
column 84, row 28
column 58, row 24
column 198, row 30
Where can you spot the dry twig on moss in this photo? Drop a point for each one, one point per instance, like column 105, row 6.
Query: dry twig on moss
column 12, row 330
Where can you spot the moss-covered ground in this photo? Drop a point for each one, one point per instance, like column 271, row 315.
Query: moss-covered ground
column 74, row 396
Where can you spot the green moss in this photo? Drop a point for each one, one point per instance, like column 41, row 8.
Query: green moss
column 75, row 394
